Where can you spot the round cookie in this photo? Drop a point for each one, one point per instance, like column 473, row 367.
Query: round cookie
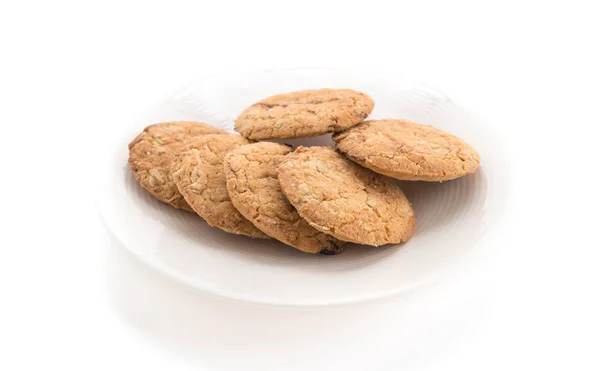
column 345, row 200
column 251, row 173
column 304, row 113
column 407, row 151
column 198, row 174
column 151, row 154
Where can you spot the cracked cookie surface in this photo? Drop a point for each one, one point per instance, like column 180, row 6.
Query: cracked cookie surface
column 408, row 151
column 304, row 113
column 199, row 177
column 251, row 173
column 345, row 200
column 152, row 152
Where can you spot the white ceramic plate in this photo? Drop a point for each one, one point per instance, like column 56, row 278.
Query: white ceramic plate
column 452, row 217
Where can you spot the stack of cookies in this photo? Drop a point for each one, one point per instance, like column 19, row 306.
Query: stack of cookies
column 314, row 199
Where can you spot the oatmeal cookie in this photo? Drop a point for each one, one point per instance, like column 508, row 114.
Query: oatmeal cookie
column 151, row 154
column 199, row 177
column 251, row 172
column 345, row 200
column 407, row 151
column 304, row 113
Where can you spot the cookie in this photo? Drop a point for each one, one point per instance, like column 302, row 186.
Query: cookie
column 407, row 151
column 151, row 154
column 304, row 113
column 251, row 173
column 345, row 200
column 199, row 177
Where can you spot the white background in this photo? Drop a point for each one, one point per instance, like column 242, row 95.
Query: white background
column 71, row 71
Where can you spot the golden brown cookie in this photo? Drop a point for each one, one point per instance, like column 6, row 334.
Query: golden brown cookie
column 198, row 174
column 151, row 154
column 304, row 113
column 251, row 173
column 407, row 151
column 345, row 200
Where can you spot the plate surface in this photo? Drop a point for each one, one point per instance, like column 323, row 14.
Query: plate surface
column 452, row 217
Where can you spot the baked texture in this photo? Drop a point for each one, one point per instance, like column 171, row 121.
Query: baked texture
column 152, row 152
column 408, row 151
column 251, row 173
column 304, row 113
column 198, row 174
column 345, row 200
